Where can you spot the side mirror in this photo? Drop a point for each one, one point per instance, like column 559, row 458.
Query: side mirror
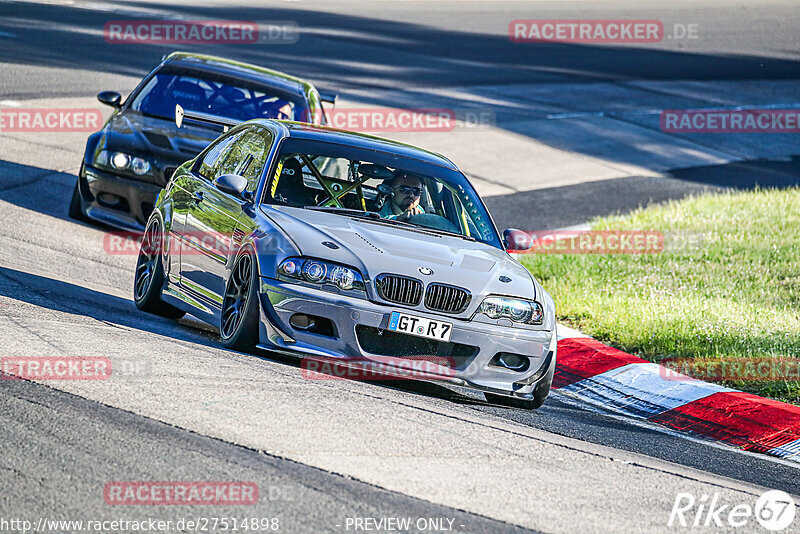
column 514, row 239
column 110, row 98
column 235, row 185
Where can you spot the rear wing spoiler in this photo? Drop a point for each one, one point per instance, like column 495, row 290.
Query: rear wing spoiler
column 181, row 114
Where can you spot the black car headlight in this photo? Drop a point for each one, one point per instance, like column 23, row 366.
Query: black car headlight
column 518, row 310
column 120, row 161
column 321, row 272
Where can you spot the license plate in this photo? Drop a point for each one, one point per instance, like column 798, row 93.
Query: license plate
column 420, row 326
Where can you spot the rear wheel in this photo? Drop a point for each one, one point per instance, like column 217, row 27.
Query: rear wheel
column 149, row 277
column 239, row 318
column 513, row 402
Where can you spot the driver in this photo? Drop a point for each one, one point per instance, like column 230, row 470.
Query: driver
column 277, row 109
column 404, row 201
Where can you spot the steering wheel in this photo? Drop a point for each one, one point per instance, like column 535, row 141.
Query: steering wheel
column 433, row 221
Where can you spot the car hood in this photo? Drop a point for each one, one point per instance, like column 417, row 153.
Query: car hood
column 163, row 136
column 158, row 140
column 376, row 248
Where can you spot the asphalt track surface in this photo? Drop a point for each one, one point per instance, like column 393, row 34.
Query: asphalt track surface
column 325, row 451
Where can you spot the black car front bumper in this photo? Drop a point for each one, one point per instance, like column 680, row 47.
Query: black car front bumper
column 115, row 200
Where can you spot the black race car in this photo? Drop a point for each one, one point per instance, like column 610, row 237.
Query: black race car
column 128, row 162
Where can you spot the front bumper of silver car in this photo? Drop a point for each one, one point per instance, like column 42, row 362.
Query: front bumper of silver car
column 355, row 331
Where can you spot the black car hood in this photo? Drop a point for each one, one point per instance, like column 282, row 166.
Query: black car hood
column 158, row 140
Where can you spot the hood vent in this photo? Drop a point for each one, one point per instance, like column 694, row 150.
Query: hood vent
column 158, row 140
column 367, row 242
column 351, row 238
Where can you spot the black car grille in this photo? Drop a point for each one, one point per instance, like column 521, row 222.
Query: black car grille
column 399, row 289
column 448, row 299
column 388, row 343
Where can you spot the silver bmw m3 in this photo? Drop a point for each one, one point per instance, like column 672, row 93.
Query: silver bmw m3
column 330, row 244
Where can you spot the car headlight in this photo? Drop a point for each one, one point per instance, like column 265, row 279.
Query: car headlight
column 120, row 161
column 321, row 272
column 518, row 310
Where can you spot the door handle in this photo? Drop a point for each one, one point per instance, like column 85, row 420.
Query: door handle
column 197, row 197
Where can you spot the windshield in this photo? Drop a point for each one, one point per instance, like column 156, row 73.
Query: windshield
column 378, row 185
column 216, row 95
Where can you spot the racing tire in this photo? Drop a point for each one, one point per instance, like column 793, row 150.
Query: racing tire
column 512, row 402
column 75, row 208
column 240, row 307
column 149, row 277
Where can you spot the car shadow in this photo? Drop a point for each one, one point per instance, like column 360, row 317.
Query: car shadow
column 37, row 189
column 433, row 389
column 41, row 190
column 66, row 297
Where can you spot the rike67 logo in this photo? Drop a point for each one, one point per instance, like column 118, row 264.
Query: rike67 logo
column 774, row 511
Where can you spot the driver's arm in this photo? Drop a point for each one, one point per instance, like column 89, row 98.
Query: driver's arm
column 387, row 213
column 407, row 214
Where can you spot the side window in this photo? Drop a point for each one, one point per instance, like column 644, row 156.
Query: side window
column 211, row 165
column 248, row 155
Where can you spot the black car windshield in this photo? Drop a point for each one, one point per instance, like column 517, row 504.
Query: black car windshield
column 217, row 95
column 381, row 185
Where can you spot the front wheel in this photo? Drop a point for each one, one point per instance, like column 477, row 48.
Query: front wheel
column 240, row 308
column 513, row 402
column 75, row 207
column 149, row 277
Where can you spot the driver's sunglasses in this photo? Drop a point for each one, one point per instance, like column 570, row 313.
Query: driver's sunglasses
column 408, row 190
